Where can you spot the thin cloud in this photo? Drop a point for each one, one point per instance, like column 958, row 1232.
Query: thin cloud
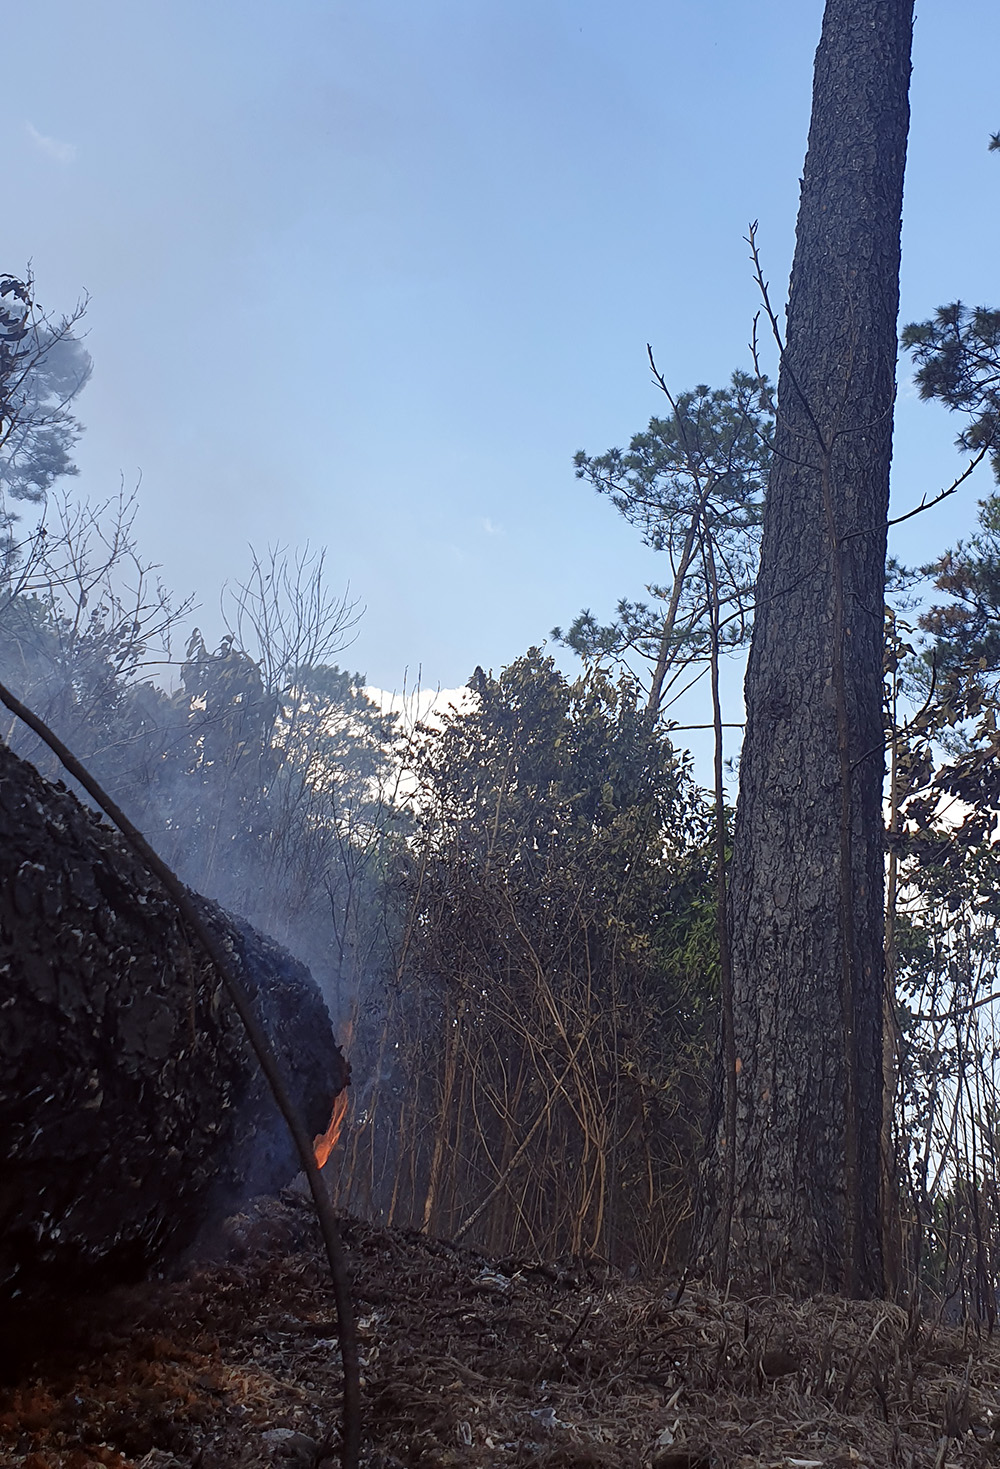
column 490, row 528
column 51, row 147
column 422, row 706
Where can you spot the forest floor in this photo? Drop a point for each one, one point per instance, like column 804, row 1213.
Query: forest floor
column 467, row 1361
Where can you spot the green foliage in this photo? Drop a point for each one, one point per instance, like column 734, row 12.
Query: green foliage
column 711, row 453
column 945, row 867
column 945, row 750
column 699, row 472
column 967, row 628
column 76, row 645
column 547, row 779
column 957, row 354
column 560, row 966
column 948, row 1096
column 258, row 784
column 43, row 367
column 274, row 797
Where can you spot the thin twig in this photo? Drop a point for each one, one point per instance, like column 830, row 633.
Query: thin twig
column 722, row 923
column 519, row 1153
column 926, row 504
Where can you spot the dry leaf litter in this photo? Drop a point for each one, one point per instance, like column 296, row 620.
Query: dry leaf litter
column 468, row 1361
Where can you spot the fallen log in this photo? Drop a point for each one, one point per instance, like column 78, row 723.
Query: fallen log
column 131, row 1108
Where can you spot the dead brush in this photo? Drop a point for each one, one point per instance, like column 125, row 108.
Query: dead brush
column 957, row 1417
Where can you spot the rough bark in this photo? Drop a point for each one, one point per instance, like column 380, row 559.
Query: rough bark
column 807, row 871
column 131, row 1108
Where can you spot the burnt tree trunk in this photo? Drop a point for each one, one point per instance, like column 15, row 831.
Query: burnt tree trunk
column 806, row 893
column 131, row 1106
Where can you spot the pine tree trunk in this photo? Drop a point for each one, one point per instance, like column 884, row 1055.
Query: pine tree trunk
column 131, row 1107
column 807, row 871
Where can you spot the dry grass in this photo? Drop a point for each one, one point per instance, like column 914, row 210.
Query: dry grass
column 514, row 1363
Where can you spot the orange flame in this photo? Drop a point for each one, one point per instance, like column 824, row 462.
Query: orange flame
column 324, row 1145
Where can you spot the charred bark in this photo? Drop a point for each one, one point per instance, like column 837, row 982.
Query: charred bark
column 806, row 892
column 131, row 1107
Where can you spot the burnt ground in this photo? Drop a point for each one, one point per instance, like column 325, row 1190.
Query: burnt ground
column 467, row 1361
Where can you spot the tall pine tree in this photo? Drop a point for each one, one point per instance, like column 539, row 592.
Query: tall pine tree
column 799, row 1182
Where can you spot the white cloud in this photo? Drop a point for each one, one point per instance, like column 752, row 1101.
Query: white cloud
column 490, row 528
column 422, row 706
column 417, row 706
column 51, row 147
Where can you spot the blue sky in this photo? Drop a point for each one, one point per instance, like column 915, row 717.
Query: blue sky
column 368, row 274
